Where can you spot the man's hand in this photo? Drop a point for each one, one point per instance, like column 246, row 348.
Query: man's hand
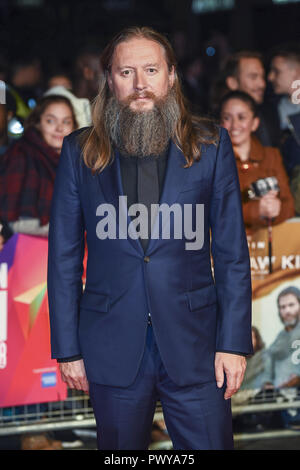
column 73, row 373
column 234, row 367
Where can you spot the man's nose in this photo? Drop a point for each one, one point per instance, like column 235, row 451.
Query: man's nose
column 262, row 83
column 140, row 82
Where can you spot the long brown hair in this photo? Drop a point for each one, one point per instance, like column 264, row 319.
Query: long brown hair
column 191, row 131
column 34, row 118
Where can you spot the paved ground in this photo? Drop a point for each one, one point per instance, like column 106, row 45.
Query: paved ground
column 85, row 440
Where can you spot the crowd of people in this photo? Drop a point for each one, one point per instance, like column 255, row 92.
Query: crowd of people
column 259, row 108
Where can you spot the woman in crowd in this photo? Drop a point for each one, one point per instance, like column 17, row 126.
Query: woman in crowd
column 27, row 176
column 238, row 115
column 29, row 166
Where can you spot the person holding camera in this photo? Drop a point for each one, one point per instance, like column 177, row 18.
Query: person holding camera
column 264, row 184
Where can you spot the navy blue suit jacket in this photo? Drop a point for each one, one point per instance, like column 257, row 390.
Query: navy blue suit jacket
column 196, row 310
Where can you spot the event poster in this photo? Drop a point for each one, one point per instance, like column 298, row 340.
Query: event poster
column 275, row 364
column 28, row 375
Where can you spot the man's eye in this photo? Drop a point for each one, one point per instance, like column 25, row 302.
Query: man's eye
column 151, row 70
column 125, row 72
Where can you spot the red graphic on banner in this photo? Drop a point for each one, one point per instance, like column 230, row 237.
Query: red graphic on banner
column 27, row 373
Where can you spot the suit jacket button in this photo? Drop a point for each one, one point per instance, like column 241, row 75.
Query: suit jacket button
column 146, row 259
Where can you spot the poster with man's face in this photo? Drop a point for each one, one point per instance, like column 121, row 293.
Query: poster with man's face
column 275, row 364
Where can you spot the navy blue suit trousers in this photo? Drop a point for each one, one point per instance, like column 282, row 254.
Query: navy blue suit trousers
column 197, row 417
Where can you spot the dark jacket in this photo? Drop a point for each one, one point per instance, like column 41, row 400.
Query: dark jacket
column 27, row 178
column 195, row 312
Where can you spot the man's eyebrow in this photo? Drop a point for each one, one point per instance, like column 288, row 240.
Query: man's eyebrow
column 125, row 67
column 150, row 64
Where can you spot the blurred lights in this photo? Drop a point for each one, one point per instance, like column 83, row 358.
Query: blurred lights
column 31, row 103
column 278, row 2
column 15, row 128
column 206, row 6
column 210, row 51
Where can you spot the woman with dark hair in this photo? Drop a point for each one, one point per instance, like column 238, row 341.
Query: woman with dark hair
column 238, row 114
column 29, row 166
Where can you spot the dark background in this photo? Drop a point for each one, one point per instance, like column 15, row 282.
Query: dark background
column 54, row 30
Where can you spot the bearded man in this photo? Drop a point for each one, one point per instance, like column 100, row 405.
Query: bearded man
column 284, row 368
column 155, row 320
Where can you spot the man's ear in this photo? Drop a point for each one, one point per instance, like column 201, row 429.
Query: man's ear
column 109, row 81
column 232, row 83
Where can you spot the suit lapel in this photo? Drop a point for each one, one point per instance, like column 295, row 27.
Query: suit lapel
column 174, row 177
column 111, row 185
column 173, row 183
column 110, row 181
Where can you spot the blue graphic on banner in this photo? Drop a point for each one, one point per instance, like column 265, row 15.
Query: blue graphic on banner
column 49, row 379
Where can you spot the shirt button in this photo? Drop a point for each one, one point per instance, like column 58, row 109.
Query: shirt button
column 146, row 259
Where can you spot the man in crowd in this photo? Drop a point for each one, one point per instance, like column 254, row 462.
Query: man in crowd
column 285, row 370
column 154, row 321
column 284, row 74
column 284, row 351
column 285, row 77
column 245, row 71
column 87, row 73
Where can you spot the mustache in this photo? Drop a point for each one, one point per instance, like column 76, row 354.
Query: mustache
column 138, row 132
column 140, row 94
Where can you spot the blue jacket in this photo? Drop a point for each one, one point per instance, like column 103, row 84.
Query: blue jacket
column 195, row 310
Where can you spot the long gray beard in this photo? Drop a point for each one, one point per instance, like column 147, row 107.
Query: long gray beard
column 142, row 133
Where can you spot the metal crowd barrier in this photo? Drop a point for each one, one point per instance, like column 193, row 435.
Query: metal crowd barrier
column 76, row 413
column 73, row 412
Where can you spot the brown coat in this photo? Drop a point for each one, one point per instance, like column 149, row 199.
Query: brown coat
column 264, row 162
